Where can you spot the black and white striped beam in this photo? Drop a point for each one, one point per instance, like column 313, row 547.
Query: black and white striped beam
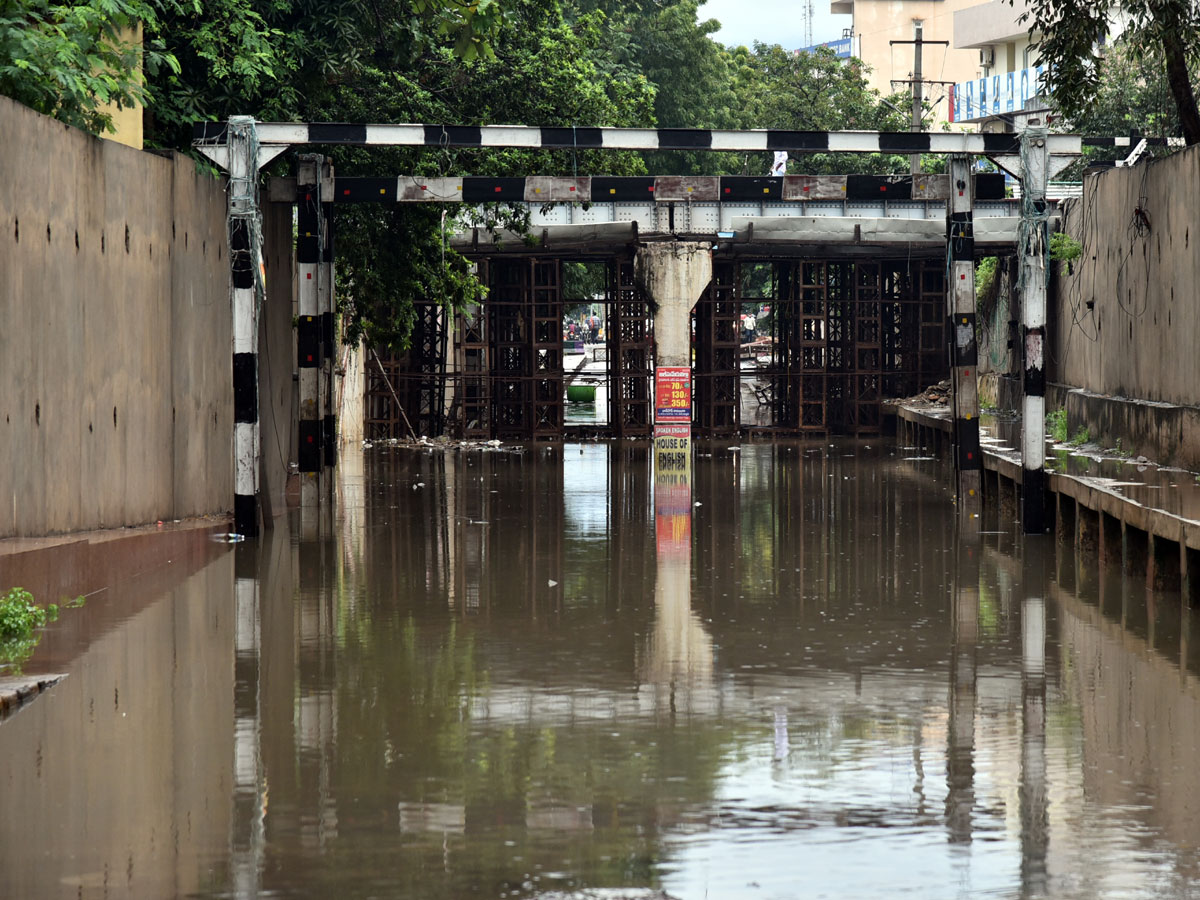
column 569, row 138
column 659, row 189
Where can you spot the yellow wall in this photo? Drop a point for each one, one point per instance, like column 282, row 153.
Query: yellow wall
column 127, row 121
column 877, row 22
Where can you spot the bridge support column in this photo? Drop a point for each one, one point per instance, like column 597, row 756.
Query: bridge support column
column 673, row 275
column 309, row 251
column 1033, row 245
column 244, row 253
column 960, row 231
column 326, row 312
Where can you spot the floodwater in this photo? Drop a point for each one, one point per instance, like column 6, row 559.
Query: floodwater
column 530, row 674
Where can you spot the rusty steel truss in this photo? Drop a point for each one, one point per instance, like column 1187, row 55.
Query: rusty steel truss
column 843, row 336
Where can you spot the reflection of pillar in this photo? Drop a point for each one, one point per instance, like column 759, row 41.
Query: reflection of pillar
column 680, row 652
column 248, row 842
column 960, row 750
column 1033, row 802
column 315, row 701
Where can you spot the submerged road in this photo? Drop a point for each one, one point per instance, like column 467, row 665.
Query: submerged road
column 538, row 673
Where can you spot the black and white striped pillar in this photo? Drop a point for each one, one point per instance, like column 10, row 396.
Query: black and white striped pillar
column 243, row 264
column 325, row 311
column 308, row 328
column 1034, row 241
column 964, row 353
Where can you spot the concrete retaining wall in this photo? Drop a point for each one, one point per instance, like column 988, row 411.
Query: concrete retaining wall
column 115, row 366
column 1136, row 341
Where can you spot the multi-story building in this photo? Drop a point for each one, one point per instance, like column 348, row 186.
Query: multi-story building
column 1009, row 87
column 879, row 24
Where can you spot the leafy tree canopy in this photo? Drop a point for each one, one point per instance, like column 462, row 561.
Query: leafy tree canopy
column 71, row 60
column 1065, row 33
column 533, row 62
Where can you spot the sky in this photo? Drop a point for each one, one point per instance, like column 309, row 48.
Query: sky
column 772, row 21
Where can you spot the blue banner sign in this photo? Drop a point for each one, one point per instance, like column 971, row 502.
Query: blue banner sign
column 995, row 95
column 843, row 48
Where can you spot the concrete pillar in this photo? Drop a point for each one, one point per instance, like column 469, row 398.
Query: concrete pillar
column 673, row 275
column 326, row 313
column 308, row 328
column 960, row 231
column 244, row 254
column 1034, row 247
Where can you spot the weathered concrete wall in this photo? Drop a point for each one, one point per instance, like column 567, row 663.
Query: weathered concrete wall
column 1136, row 341
column 115, row 359
column 116, row 367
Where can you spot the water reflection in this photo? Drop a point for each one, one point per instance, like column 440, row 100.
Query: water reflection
column 515, row 673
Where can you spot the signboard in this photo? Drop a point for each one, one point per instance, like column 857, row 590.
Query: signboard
column 843, row 48
column 673, row 394
column 997, row 94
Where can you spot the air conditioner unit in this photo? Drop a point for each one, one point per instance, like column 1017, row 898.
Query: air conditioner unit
column 987, row 57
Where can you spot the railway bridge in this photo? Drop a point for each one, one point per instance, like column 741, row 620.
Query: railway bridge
column 869, row 280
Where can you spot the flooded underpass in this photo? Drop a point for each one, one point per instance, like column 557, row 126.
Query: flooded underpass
column 517, row 673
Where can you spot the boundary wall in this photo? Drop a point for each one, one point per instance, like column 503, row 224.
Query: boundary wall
column 116, row 386
column 1125, row 317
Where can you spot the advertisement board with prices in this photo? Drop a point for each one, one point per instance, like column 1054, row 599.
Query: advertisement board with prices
column 673, row 394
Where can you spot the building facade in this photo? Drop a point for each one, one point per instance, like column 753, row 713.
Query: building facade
column 878, row 24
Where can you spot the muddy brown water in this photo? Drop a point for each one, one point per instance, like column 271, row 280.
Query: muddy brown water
column 514, row 675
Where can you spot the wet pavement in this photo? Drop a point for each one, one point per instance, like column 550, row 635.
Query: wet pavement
column 536, row 672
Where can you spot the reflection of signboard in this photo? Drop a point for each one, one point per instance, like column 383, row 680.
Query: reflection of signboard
column 996, row 94
column 673, row 488
column 673, row 394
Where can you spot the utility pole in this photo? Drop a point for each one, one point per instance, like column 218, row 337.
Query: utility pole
column 917, row 83
column 914, row 160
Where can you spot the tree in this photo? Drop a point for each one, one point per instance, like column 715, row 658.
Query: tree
column 70, row 61
column 1065, row 32
column 1132, row 97
column 817, row 92
column 541, row 71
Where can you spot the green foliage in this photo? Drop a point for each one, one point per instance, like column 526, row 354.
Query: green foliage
column 70, row 60
column 815, row 92
column 19, row 619
column 985, row 275
column 1056, row 425
column 541, row 72
column 1067, row 30
column 583, row 281
column 1064, row 248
